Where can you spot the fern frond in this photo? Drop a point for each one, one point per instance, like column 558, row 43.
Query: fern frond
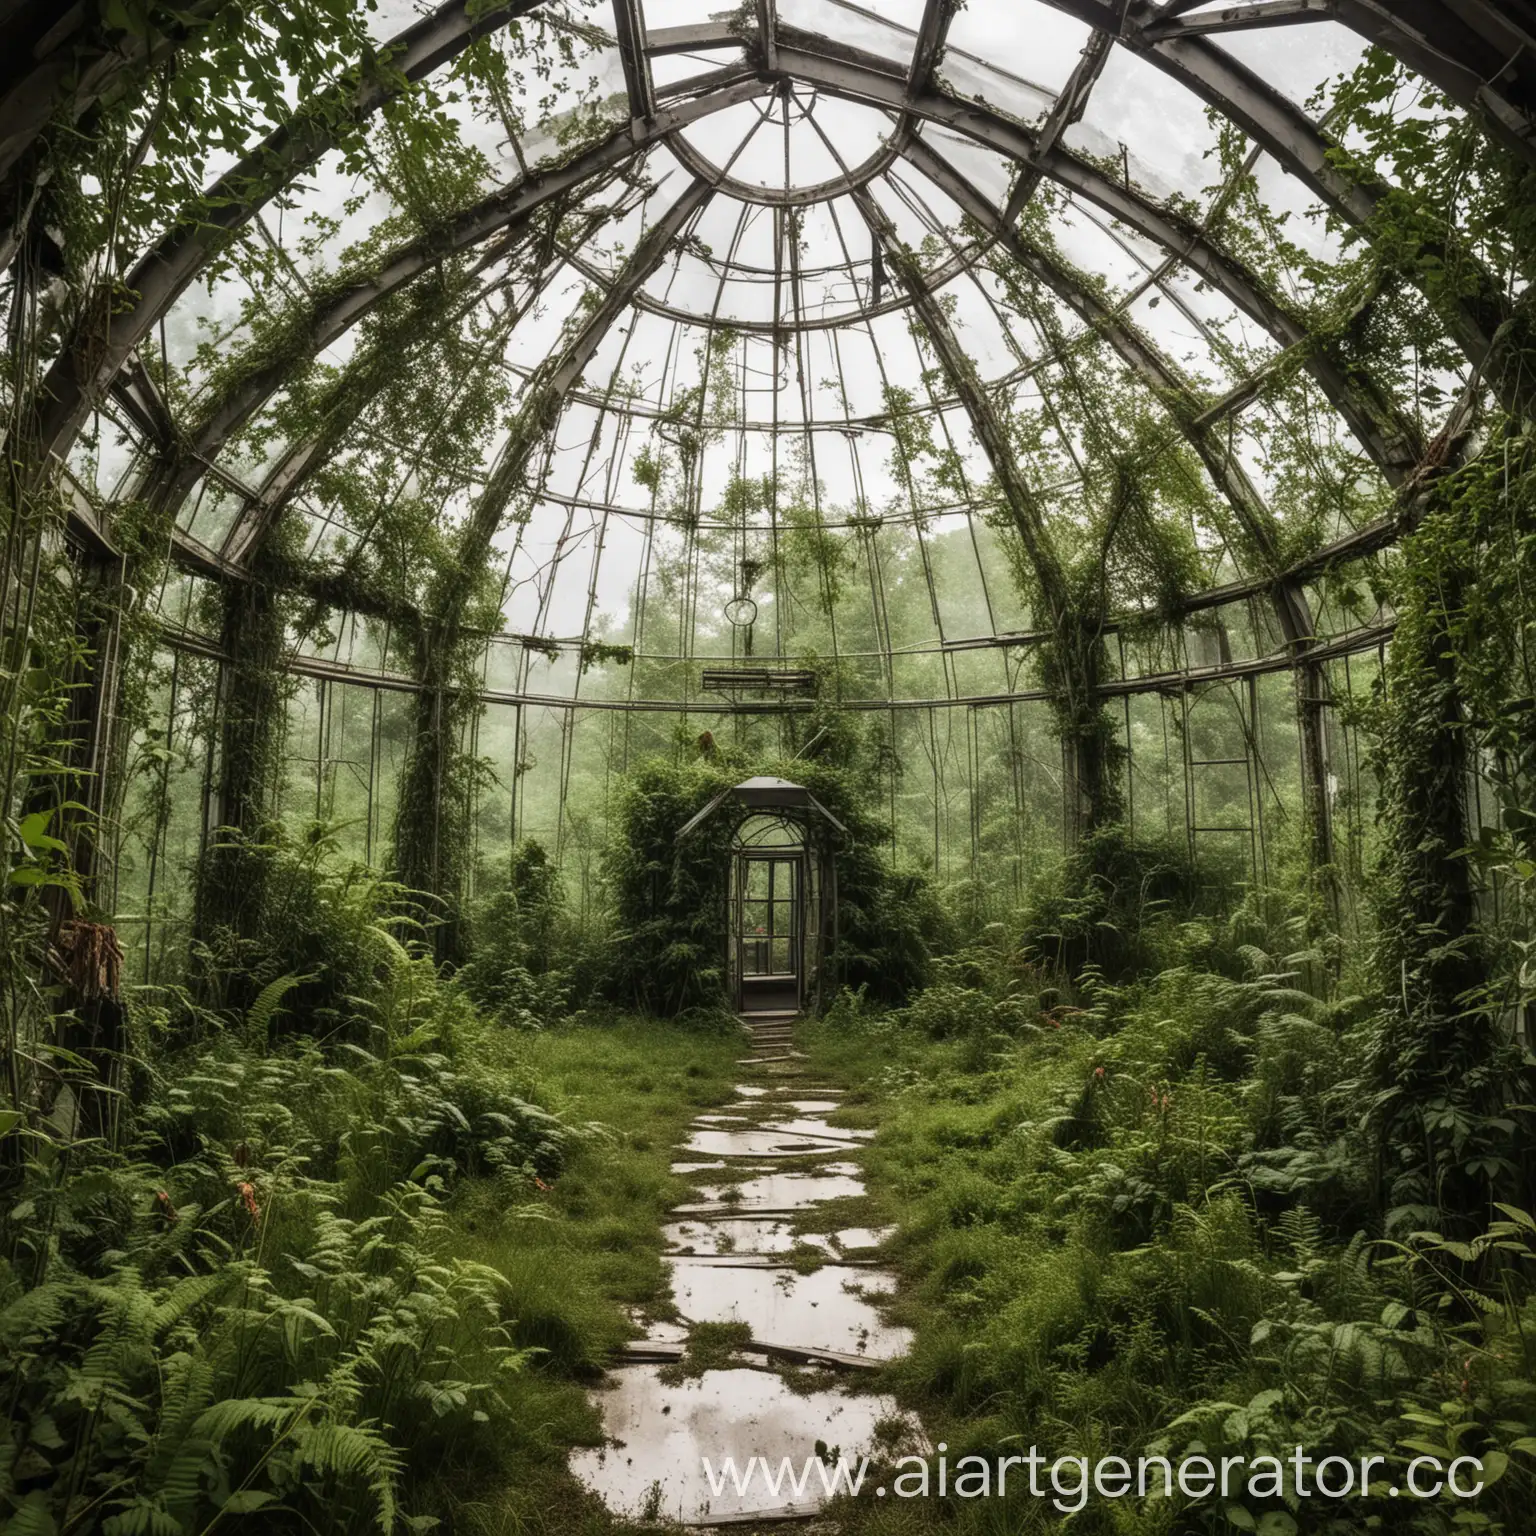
column 261, row 1013
column 354, row 1451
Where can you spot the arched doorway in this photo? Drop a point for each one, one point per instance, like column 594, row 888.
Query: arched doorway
column 781, row 900
column 774, row 915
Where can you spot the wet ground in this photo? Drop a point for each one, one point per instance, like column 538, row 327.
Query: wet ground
column 790, row 1303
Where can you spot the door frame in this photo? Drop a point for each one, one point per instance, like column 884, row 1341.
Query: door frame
column 742, row 860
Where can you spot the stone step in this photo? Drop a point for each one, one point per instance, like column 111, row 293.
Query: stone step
column 645, row 1352
column 751, row 1517
column 763, row 1260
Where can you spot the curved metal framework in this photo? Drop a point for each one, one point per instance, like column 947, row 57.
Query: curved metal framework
column 1177, row 41
column 719, row 143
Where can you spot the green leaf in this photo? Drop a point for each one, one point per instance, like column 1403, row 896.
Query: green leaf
column 34, row 830
column 245, row 1501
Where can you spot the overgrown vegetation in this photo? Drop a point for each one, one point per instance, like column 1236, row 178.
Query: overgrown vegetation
column 321, row 1209
column 348, row 1253
column 1141, row 1219
column 670, row 897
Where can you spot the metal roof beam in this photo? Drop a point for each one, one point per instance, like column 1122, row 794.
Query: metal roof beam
column 701, row 37
column 1242, row 18
column 90, row 360
column 629, row 29
column 511, row 210
column 1067, row 110
column 932, row 31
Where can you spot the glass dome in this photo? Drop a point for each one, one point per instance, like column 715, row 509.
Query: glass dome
column 738, row 362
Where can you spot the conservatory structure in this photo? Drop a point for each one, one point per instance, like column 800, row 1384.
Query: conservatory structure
column 425, row 439
column 982, row 551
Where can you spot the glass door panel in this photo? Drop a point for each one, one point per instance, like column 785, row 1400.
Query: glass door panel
column 769, row 938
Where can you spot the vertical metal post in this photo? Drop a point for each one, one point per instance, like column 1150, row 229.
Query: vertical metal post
column 1189, row 775
column 1130, row 759
column 1312, row 700
column 373, row 775
column 322, row 700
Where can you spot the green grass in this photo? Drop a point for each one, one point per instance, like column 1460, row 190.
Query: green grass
column 710, row 1347
column 1135, row 1229
column 583, row 1254
column 1029, row 1326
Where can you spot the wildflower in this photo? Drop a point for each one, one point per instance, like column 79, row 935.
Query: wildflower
column 248, row 1197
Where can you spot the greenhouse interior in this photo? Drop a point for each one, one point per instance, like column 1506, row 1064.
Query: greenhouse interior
column 768, row 765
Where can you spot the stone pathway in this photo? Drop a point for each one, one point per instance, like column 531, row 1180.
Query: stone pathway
column 762, row 1163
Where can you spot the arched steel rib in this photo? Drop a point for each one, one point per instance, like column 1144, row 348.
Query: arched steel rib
column 90, row 361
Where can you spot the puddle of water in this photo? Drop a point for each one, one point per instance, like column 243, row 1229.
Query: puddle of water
column 850, row 1243
column 730, row 1234
column 851, row 1239
column 666, row 1431
column 810, row 1127
column 785, row 1191
column 782, row 1307
column 661, row 1332
column 761, row 1143
column 728, row 1266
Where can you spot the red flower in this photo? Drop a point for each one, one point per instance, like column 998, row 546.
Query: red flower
column 248, row 1196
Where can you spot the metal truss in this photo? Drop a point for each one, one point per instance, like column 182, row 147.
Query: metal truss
column 1476, row 51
